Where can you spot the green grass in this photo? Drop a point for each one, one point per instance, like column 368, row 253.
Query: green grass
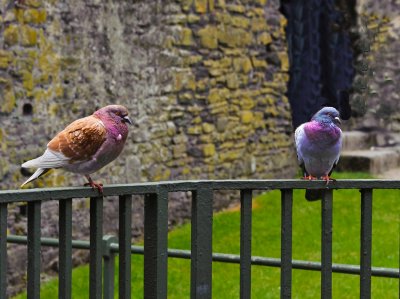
column 266, row 242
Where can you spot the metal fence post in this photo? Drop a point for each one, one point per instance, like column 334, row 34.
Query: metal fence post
column 3, row 250
column 201, row 251
column 96, row 236
column 286, row 243
column 326, row 245
column 125, row 239
column 65, row 249
column 245, row 243
column 108, row 266
column 155, row 244
column 34, row 217
column 366, row 243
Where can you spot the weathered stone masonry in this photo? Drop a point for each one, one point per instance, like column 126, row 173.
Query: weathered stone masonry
column 204, row 79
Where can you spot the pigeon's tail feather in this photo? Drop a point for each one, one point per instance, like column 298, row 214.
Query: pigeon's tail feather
column 314, row 194
column 50, row 159
column 39, row 172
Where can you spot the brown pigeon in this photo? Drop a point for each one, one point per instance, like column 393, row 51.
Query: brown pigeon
column 86, row 145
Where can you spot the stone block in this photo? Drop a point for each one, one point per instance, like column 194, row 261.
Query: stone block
column 259, row 63
column 5, row 59
column 28, row 36
column 34, row 16
column 8, row 101
column 186, row 37
column 284, row 58
column 234, row 37
column 236, row 8
column 33, row 3
column 232, row 81
column 186, row 4
column 259, row 24
column 246, row 117
column 240, row 21
column 201, row 6
column 208, row 128
column 11, row 35
column 217, row 95
column 209, row 150
column 208, row 37
column 264, row 38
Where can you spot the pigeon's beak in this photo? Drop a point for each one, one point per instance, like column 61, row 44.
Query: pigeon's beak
column 126, row 119
column 337, row 120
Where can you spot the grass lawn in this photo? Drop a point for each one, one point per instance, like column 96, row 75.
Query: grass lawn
column 266, row 242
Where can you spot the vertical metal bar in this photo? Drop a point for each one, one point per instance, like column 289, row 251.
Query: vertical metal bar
column 65, row 250
column 326, row 245
column 366, row 243
column 108, row 267
column 245, row 243
column 34, row 217
column 109, row 271
column 286, row 243
column 96, row 235
column 3, row 250
column 155, row 244
column 125, row 233
column 201, row 254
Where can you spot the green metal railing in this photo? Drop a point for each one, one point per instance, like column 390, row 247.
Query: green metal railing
column 155, row 250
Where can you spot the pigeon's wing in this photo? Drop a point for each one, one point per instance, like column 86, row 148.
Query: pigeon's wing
column 299, row 135
column 80, row 140
column 77, row 142
column 337, row 157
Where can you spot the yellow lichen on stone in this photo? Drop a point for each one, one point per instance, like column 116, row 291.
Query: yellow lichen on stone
column 208, row 37
column 208, row 128
column 232, row 81
column 240, row 21
column 28, row 36
column 201, row 6
column 259, row 24
column 9, row 101
column 246, row 117
column 27, row 80
column 258, row 63
column 264, row 38
column 242, row 64
column 33, row 3
column 34, row 16
column 186, row 37
column 217, row 95
column 261, row 2
column 5, row 58
column 209, row 150
column 11, row 35
column 284, row 58
column 186, row 4
column 236, row 8
column 234, row 37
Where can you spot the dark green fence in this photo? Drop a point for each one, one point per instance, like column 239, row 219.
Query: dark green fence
column 155, row 250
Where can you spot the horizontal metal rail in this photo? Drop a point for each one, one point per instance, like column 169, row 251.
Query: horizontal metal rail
column 220, row 257
column 27, row 195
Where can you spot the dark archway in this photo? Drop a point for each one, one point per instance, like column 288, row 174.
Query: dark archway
column 320, row 54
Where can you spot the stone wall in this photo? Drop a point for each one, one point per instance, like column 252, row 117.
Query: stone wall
column 376, row 100
column 204, row 79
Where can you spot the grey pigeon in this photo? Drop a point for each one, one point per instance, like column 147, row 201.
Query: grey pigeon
column 318, row 145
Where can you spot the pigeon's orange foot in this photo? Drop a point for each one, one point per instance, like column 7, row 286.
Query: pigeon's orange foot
column 309, row 177
column 94, row 185
column 327, row 178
